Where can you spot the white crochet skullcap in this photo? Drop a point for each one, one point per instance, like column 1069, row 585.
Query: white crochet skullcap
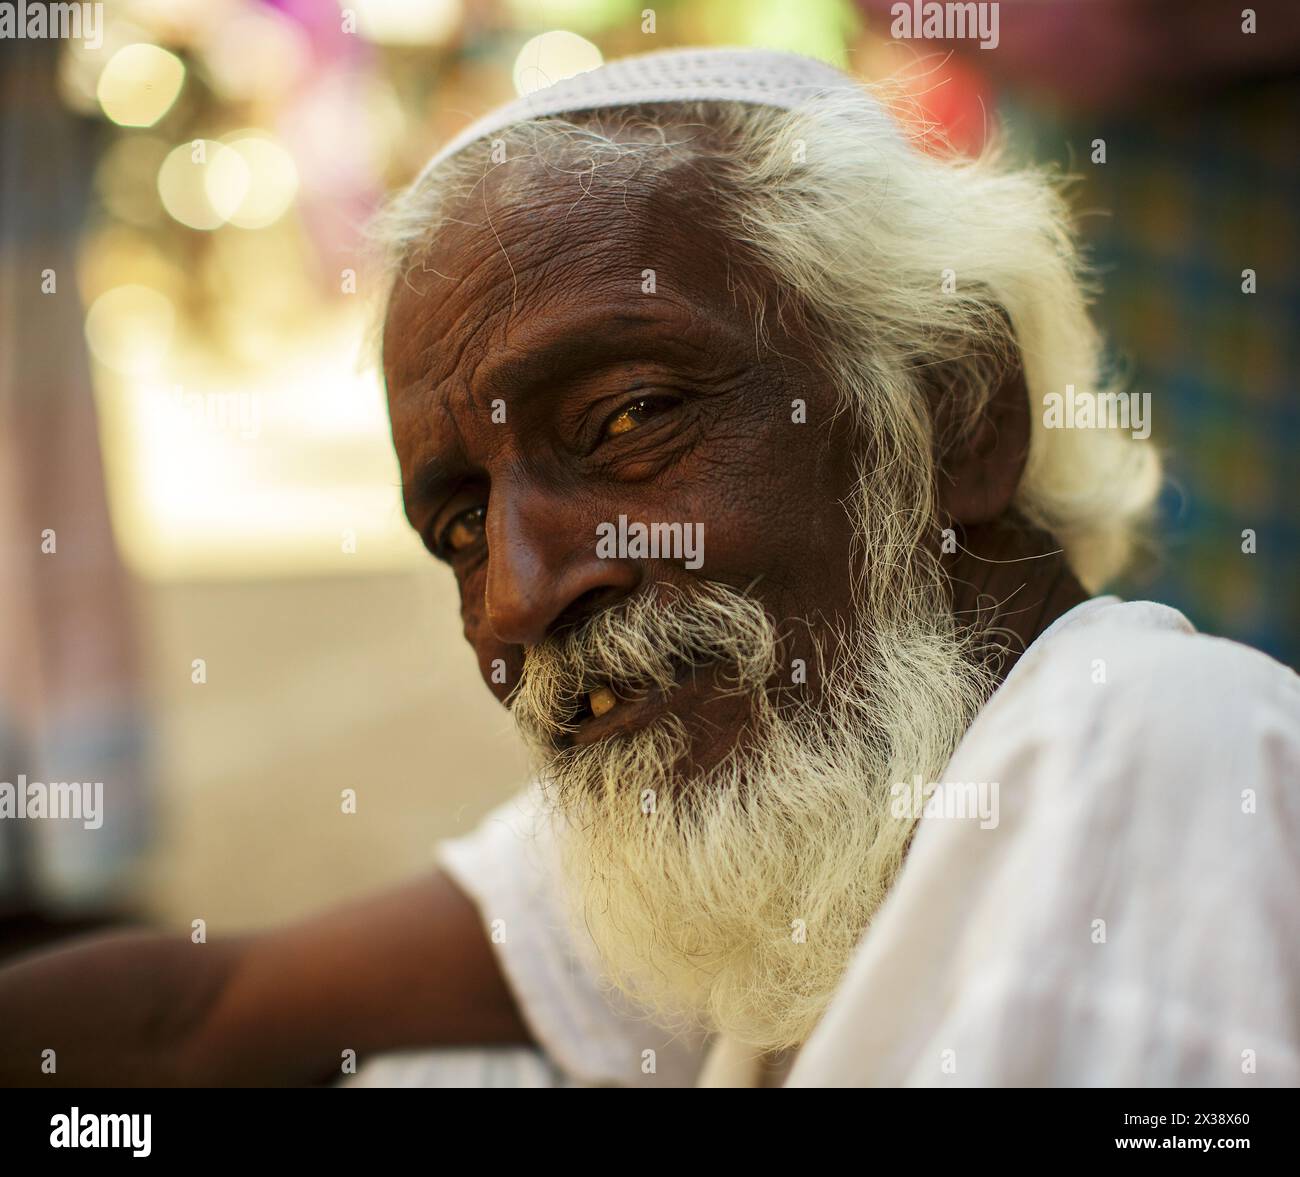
column 761, row 77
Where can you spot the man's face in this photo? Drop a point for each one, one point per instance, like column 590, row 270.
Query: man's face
column 738, row 786
column 564, row 359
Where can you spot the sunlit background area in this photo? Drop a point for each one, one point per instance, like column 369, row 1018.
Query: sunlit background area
column 224, row 270
column 233, row 624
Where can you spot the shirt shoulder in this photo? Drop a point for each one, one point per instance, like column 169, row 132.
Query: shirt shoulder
column 1131, row 692
column 1127, row 916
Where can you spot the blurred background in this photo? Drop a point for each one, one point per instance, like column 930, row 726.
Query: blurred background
column 209, row 598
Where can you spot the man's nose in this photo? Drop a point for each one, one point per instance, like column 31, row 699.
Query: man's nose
column 542, row 568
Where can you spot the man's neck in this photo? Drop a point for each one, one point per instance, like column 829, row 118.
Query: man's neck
column 1011, row 581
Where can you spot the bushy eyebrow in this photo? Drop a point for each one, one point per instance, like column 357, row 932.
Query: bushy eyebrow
column 428, row 482
column 581, row 346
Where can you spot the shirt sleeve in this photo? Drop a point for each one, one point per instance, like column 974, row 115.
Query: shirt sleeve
column 508, row 866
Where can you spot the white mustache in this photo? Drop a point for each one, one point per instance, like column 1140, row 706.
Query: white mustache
column 641, row 644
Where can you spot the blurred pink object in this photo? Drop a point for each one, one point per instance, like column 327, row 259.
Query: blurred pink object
column 1105, row 52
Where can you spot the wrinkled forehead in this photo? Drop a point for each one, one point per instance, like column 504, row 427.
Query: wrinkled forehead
column 531, row 238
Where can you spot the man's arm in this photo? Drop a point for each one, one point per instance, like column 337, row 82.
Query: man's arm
column 409, row 967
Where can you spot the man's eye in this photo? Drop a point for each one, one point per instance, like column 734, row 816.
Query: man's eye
column 462, row 532
column 632, row 416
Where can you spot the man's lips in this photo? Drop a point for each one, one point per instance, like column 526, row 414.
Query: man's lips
column 608, row 710
column 610, row 715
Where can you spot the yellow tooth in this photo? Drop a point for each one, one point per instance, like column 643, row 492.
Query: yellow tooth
column 600, row 700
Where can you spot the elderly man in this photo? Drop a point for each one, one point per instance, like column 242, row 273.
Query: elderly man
column 730, row 409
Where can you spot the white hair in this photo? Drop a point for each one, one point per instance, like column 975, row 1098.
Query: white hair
column 861, row 228
column 730, row 897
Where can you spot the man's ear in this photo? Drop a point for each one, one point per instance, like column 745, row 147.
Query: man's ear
column 979, row 468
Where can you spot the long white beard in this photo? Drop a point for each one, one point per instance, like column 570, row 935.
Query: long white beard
column 732, row 898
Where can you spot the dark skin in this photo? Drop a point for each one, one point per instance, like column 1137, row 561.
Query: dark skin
column 655, row 406
column 662, row 407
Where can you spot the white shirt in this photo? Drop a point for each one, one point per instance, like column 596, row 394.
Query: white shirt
column 1130, row 919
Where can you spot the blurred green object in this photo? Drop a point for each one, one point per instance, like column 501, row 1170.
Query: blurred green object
column 1196, row 201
